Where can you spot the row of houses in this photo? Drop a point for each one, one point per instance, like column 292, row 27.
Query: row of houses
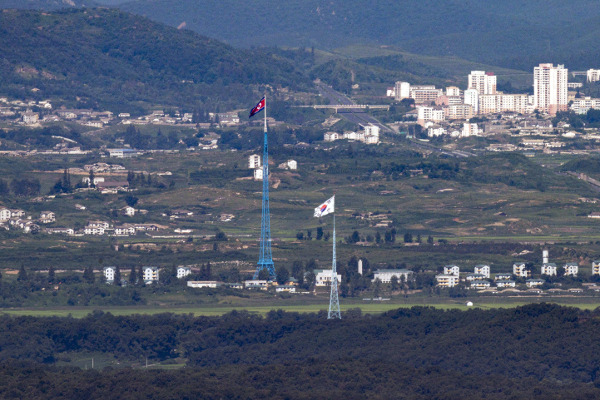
column 101, row 228
column 16, row 218
column 150, row 274
column 481, row 275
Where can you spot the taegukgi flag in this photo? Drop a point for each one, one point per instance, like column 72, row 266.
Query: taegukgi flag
column 258, row 107
column 325, row 208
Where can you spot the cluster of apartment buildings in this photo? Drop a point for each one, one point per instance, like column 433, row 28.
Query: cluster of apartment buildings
column 17, row 219
column 254, row 163
column 481, row 277
column 550, row 95
column 369, row 135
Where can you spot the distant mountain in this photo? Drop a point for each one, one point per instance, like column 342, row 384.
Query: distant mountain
column 111, row 59
column 511, row 33
column 46, row 4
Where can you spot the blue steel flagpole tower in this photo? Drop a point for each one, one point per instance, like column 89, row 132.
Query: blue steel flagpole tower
column 334, row 301
column 265, row 259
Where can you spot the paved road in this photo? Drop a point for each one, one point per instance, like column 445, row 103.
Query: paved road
column 357, row 116
column 361, row 117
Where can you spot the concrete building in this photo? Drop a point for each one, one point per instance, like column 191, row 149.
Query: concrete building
column 483, row 82
column 581, row 106
column 534, row 282
column 470, row 129
column 550, row 88
column 446, row 280
column 451, row 270
column 254, row 161
column 182, row 271
column 482, row 269
column 549, row 269
column 150, row 274
column 425, row 94
column 258, row 174
column 386, row 275
column 505, row 283
column 204, row 284
column 571, row 269
column 256, row 284
column 596, row 267
column 331, row 136
column 401, row 90
column 459, row 111
column 502, row 277
column 593, row 75
column 480, row 284
column 452, row 91
column 500, row 102
column 323, row 277
column 520, row 270
column 429, row 114
column 109, row 273
column 471, row 97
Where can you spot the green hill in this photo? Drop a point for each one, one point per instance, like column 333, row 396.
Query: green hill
column 115, row 60
column 509, row 33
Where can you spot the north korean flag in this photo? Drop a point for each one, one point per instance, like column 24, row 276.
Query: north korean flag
column 258, row 108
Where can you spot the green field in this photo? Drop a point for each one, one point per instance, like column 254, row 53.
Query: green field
column 365, row 307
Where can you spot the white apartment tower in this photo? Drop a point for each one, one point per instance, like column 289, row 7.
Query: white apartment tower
column 483, row 82
column 550, row 88
column 254, row 161
column 402, row 90
column 472, row 98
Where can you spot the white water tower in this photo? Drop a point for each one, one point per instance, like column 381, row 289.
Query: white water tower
column 545, row 256
column 360, row 267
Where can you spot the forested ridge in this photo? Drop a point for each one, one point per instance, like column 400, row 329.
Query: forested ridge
column 507, row 33
column 540, row 350
column 108, row 59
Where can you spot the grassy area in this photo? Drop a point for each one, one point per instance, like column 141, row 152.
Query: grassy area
column 366, row 307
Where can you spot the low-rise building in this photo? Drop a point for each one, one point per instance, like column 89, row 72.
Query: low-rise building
column 534, row 282
column 571, row 269
column 109, row 273
column 549, row 269
column 386, row 275
column 447, row 280
column 506, row 283
column 475, row 277
column 150, row 274
column 596, row 267
column 256, row 284
column 480, row 284
column 323, row 277
column 254, row 161
column 204, row 284
column 451, row 270
column 520, row 270
column 482, row 269
column 286, row 289
column 182, row 271
column 502, row 277
column 47, row 217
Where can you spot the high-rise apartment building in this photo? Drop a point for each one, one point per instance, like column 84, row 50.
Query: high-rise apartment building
column 483, row 82
column 472, row 98
column 402, row 90
column 550, row 88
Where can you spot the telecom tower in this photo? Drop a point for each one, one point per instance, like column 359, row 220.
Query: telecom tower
column 334, row 301
column 265, row 259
